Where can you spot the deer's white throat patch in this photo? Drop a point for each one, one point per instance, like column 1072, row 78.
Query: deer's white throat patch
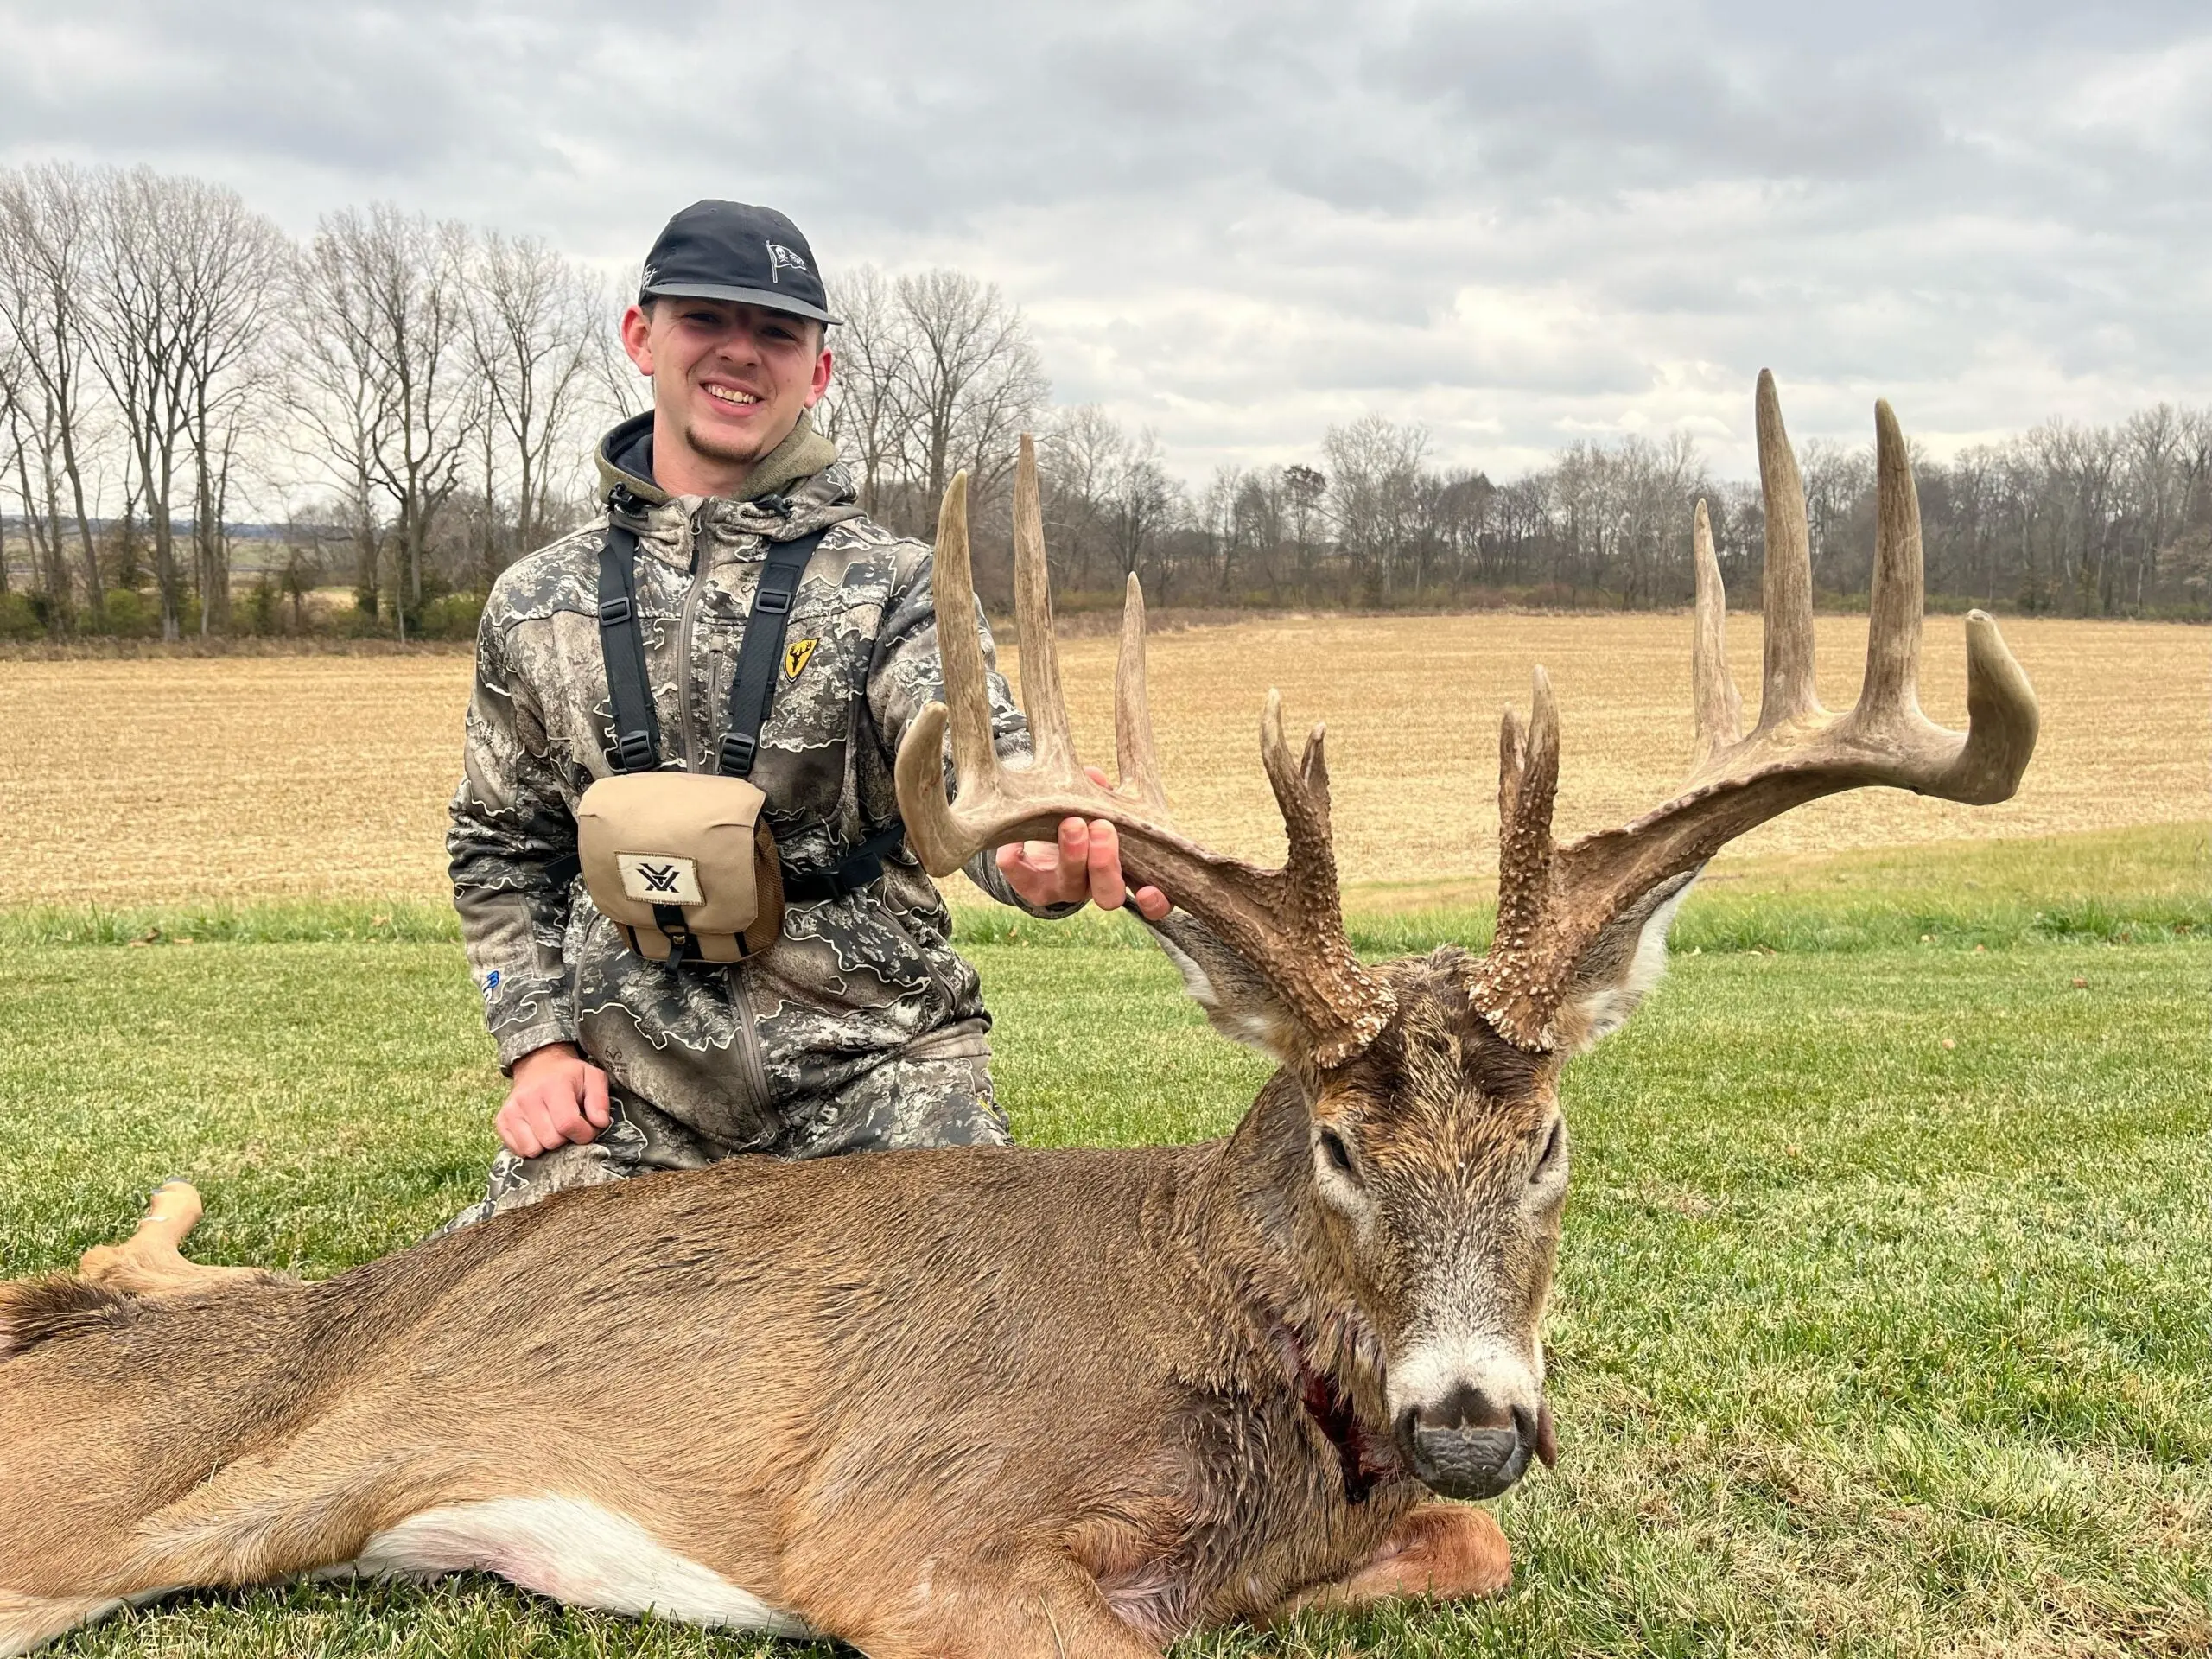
column 574, row 1551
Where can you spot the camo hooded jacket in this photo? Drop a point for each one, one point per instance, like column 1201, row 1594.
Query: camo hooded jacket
column 735, row 1053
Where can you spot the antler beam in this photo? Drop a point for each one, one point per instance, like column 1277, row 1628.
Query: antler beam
column 1554, row 901
column 1286, row 923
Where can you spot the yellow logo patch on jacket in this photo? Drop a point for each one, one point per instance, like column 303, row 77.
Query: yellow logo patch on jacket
column 797, row 656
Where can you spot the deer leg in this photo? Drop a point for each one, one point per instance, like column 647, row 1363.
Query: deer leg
column 148, row 1263
column 1452, row 1552
column 1049, row 1612
column 27, row 1622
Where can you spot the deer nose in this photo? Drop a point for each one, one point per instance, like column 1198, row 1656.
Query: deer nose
column 1468, row 1444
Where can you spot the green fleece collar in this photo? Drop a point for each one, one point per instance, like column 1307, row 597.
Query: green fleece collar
column 801, row 455
column 626, row 452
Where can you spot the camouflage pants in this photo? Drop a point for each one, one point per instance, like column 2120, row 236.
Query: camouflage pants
column 904, row 1102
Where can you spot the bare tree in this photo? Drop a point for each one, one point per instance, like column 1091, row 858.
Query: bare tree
column 1220, row 523
column 336, row 394
column 226, row 263
column 974, row 381
column 16, row 467
column 1305, row 488
column 141, row 325
column 383, row 376
column 46, row 244
column 867, row 411
column 535, row 330
column 1144, row 507
column 1078, row 459
column 1375, row 463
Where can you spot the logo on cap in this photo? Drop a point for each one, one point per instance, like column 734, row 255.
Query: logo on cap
column 781, row 258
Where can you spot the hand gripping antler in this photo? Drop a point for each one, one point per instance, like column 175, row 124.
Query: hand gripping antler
column 1285, row 922
column 1553, row 902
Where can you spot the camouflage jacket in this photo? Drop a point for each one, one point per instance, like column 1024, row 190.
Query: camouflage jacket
column 735, row 1052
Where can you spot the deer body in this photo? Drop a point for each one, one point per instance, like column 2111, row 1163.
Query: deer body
column 995, row 1404
column 858, row 1394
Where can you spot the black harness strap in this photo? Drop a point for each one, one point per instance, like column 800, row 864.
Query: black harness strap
column 752, row 686
column 863, row 865
column 622, row 644
column 752, row 693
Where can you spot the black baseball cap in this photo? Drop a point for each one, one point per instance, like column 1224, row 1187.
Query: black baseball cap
column 733, row 251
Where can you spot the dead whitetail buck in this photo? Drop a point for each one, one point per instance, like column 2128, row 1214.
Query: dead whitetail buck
column 993, row 1402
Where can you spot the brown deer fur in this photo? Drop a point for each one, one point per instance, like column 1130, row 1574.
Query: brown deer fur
column 972, row 1402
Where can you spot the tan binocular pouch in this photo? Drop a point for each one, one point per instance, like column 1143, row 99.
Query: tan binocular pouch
column 682, row 863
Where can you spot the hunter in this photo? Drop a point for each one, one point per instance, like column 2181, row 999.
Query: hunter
column 859, row 1028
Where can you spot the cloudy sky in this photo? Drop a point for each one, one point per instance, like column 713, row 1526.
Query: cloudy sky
column 1239, row 222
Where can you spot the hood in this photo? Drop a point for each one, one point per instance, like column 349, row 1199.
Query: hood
column 803, row 469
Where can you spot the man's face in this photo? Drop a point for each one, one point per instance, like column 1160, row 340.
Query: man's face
column 729, row 384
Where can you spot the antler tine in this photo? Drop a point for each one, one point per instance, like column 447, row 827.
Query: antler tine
column 1285, row 922
column 1554, row 904
column 1301, row 790
column 1787, row 690
column 1891, row 689
column 975, row 757
column 1042, row 703
column 1324, row 981
column 1719, row 708
column 1513, row 985
column 1134, row 754
column 990, row 804
column 2002, row 720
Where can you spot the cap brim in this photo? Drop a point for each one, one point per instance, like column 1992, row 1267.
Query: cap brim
column 766, row 298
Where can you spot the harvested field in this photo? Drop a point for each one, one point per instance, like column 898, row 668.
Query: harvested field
column 136, row 781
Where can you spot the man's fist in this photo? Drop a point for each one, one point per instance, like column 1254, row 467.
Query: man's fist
column 559, row 1098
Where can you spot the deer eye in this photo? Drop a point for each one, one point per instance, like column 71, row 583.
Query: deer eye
column 1334, row 1149
column 1555, row 1143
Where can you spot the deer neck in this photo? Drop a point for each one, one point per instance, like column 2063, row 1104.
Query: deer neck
column 1263, row 1232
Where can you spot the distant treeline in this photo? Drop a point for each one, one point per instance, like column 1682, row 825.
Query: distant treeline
column 402, row 407
column 2073, row 520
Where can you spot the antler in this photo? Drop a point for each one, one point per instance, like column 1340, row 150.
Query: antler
column 1553, row 902
column 1286, row 923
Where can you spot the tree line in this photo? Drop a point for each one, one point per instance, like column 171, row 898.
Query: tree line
column 395, row 403
column 402, row 407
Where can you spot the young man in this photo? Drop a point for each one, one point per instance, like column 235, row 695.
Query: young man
column 859, row 1029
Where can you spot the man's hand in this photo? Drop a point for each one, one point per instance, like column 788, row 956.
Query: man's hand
column 1086, row 862
column 559, row 1098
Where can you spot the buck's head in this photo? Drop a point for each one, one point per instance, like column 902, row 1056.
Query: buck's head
column 1424, row 1177
column 1417, row 1146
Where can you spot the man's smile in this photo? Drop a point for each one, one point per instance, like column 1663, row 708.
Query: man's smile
column 730, row 395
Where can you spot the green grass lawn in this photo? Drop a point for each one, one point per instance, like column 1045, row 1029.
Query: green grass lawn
column 1884, row 1318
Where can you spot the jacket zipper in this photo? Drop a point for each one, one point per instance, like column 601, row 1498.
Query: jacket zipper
column 752, row 1070
column 751, row 1067
column 686, row 618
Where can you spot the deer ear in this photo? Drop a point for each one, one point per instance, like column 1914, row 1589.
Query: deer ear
column 1236, row 999
column 1624, row 961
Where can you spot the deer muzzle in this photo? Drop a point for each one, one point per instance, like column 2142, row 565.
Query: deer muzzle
column 1469, row 1429
column 1473, row 1448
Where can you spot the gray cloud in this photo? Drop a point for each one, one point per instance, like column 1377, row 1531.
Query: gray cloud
column 1238, row 222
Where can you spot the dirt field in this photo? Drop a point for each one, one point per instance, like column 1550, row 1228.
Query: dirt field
column 140, row 781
